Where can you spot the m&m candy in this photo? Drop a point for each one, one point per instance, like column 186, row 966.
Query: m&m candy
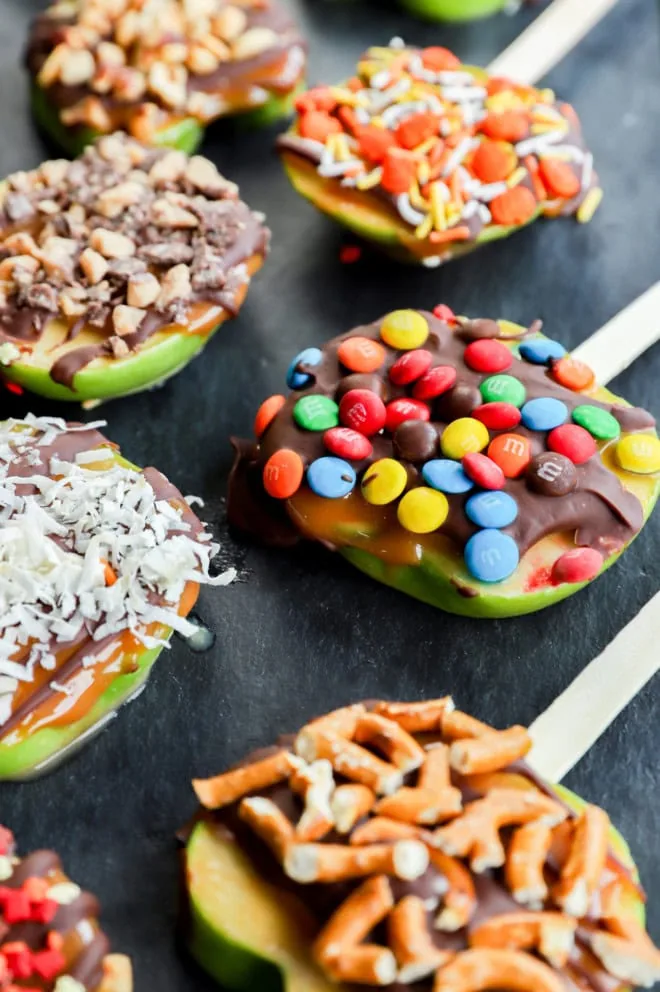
column 443, row 312
column 422, row 510
column 331, row 477
column 572, row 441
column 360, row 380
column 573, row 374
column 447, row 476
column 361, row 354
column 384, row 481
column 544, row 413
column 512, row 452
column 542, row 351
column 415, row 441
column 283, row 473
column 266, row 414
column 398, row 411
column 295, row 379
column 491, row 556
column 410, row 366
column 503, row 389
column 460, row 401
column 488, row 355
column 639, row 453
column 435, row 382
column 363, row 411
column 577, row 565
column 346, row 443
column 493, row 509
column 404, row 330
column 552, row 474
column 463, row 436
column 600, row 423
column 498, row 416
column 316, row 413
column 484, row 471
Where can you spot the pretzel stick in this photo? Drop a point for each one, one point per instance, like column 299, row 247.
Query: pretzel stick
column 623, row 338
column 549, row 38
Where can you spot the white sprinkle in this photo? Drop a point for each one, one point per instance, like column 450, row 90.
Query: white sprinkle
column 339, row 168
column 380, row 80
column 587, row 170
column 397, row 42
column 532, row 146
column 432, row 261
column 484, row 214
column 408, row 212
column 571, row 152
column 458, row 154
column 488, row 191
column 464, row 94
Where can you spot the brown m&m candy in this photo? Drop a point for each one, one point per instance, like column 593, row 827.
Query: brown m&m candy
column 360, row 380
column 415, row 441
column 458, row 402
column 552, row 474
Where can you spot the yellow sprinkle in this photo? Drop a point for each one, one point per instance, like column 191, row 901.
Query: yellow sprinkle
column 563, row 156
column 547, row 96
column 590, row 205
column 347, row 97
column 377, row 122
column 438, row 209
column 516, row 177
column 416, row 198
column 423, row 230
column 423, row 172
column 342, row 151
column 546, row 128
column 370, row 180
column 425, row 146
column 507, row 100
column 453, row 213
column 544, row 116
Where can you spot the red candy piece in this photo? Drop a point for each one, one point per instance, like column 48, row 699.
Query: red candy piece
column 443, row 312
column 44, row 911
column 435, row 382
column 374, row 143
column 266, row 414
column 363, row 411
column 579, row 565
column 345, row 443
column 399, row 411
column 48, row 964
column 512, row 452
column 416, row 129
column 399, row 171
column 488, row 356
column 16, row 906
column 574, row 442
column 498, row 416
column 6, row 840
column 484, row 471
column 19, row 958
column 439, row 59
column 410, row 366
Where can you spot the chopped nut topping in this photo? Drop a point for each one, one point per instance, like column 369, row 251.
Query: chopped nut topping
column 78, row 67
column 93, row 265
column 143, row 290
column 110, row 244
column 126, row 320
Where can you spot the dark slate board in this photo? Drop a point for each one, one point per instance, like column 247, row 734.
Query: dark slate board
column 302, row 632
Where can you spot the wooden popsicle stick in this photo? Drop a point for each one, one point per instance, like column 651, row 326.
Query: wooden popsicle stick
column 549, row 38
column 624, row 338
column 580, row 715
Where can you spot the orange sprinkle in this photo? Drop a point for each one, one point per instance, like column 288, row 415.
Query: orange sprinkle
column 455, row 187
column 347, row 116
column 55, row 940
column 493, row 161
column 109, row 573
column 399, row 171
column 436, row 153
column 361, row 354
column 499, row 84
column 559, row 178
column 374, row 143
column 354, row 84
column 267, row 413
column 531, row 163
column 416, row 129
column 319, row 98
column 515, row 207
column 451, row 234
column 318, row 125
column 283, row 473
column 511, row 125
column 439, row 59
column 573, row 374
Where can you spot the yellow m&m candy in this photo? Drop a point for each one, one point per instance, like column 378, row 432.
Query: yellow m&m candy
column 422, row 510
column 464, row 437
column 639, row 453
column 384, row 481
column 404, row 330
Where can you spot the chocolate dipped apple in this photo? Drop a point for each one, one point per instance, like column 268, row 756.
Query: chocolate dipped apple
column 429, row 158
column 408, row 845
column 99, row 564
column 117, row 268
column 161, row 71
column 461, row 10
column 470, row 463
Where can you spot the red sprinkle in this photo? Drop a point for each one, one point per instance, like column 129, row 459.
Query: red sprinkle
column 363, row 411
column 488, row 356
column 318, row 98
column 13, row 387
column 318, row 125
column 435, row 382
column 346, row 443
column 578, row 565
column 19, row 958
column 374, row 143
column 348, row 254
column 410, row 366
column 574, row 442
column 44, row 911
column 498, row 416
column 48, row 964
column 399, row 171
column 417, row 128
column 16, row 906
column 439, row 59
column 484, row 471
column 443, row 312
column 399, row 411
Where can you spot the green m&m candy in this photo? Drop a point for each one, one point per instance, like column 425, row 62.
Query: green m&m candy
column 316, row 413
column 503, row 389
column 600, row 424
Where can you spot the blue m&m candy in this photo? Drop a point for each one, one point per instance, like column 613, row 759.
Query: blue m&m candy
column 492, row 509
column 542, row 351
column 447, row 475
column 544, row 414
column 491, row 556
column 331, row 477
column 296, row 379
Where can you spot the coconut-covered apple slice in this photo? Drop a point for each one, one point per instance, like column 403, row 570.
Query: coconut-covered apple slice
column 116, row 269
column 99, row 564
column 50, row 936
column 161, row 71
column 430, row 158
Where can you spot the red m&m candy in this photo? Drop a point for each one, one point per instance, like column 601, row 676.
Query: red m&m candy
column 435, row 382
column 498, row 416
column 410, row 366
column 443, row 312
column 512, row 452
column 484, row 471
column 267, row 413
column 572, row 441
column 578, row 565
column 488, row 356
column 363, row 411
column 401, row 410
column 346, row 443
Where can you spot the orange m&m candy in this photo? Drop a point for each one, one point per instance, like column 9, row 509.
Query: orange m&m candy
column 283, row 473
column 361, row 354
column 512, row 452
column 573, row 374
column 267, row 413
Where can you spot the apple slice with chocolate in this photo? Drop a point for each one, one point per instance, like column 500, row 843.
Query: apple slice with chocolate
column 117, row 268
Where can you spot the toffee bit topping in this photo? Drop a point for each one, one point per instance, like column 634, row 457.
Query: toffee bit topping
column 89, row 549
column 511, row 889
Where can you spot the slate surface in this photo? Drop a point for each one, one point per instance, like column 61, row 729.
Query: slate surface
column 301, row 631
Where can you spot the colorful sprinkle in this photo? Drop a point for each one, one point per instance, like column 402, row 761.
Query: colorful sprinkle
column 422, row 510
column 332, row 478
column 266, row 413
column 544, row 413
column 488, row 356
column 346, row 443
column 384, row 481
column 447, row 476
column 498, row 416
column 316, row 413
column 404, row 330
column 542, row 351
column 350, row 254
column 462, row 437
column 574, row 442
column 573, row 374
column 639, row 453
column 493, row 509
column 296, row 379
column 435, row 382
column 600, row 423
column 559, row 178
column 512, row 452
column 361, row 354
column 363, row 411
column 399, row 411
column 578, row 565
column 491, row 556
column 283, row 473
column 503, row 389
column 410, row 367
column 484, row 471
